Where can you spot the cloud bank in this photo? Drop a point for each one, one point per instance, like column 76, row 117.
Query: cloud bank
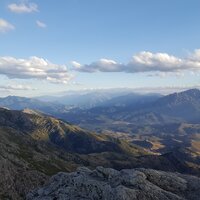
column 5, row 26
column 145, row 62
column 23, row 7
column 16, row 87
column 34, row 68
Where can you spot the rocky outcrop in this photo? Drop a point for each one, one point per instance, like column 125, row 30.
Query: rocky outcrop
column 110, row 184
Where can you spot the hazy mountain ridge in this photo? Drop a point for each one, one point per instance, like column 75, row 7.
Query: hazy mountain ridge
column 177, row 107
column 131, row 107
column 20, row 103
column 87, row 98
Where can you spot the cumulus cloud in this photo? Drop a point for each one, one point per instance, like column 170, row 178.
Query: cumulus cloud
column 145, row 62
column 16, row 87
column 23, row 7
column 34, row 68
column 41, row 24
column 5, row 26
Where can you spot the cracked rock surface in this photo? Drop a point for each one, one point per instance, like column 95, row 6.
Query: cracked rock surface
column 109, row 184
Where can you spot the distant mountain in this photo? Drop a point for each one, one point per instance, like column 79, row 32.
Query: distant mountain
column 95, row 102
column 89, row 99
column 81, row 99
column 132, row 100
column 180, row 107
column 177, row 107
column 20, row 103
column 147, row 109
column 184, row 105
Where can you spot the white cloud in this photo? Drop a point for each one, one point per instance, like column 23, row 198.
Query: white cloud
column 41, row 24
column 103, row 65
column 34, row 68
column 145, row 62
column 76, row 64
column 5, row 26
column 16, row 87
column 23, row 7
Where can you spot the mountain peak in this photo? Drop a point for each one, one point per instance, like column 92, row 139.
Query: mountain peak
column 193, row 92
column 181, row 97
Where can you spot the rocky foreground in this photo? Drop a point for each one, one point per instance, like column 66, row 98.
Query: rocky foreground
column 110, row 184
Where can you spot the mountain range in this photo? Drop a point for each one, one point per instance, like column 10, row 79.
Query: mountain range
column 38, row 138
column 148, row 109
column 87, row 98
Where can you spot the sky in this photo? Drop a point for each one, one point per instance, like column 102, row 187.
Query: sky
column 51, row 46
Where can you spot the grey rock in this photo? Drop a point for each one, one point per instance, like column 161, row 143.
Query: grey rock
column 109, row 184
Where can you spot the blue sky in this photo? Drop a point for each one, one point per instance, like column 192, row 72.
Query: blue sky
column 87, row 31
